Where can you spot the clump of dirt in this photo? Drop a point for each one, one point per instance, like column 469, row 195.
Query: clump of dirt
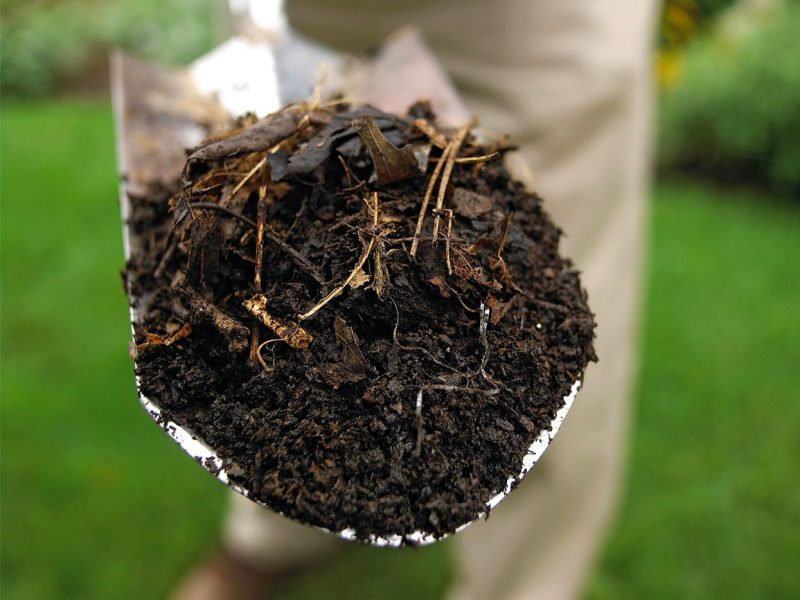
column 315, row 274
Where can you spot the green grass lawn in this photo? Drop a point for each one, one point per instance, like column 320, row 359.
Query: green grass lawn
column 98, row 503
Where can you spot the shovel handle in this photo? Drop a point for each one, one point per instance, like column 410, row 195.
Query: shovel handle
column 257, row 18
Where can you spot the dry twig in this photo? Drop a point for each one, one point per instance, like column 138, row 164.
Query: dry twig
column 260, row 164
column 259, row 265
column 380, row 275
column 291, row 333
column 455, row 146
column 261, row 223
column 437, row 138
column 426, row 199
column 225, row 210
column 228, row 326
column 448, row 239
column 471, row 160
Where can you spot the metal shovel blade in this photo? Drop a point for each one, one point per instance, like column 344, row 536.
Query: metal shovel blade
column 160, row 112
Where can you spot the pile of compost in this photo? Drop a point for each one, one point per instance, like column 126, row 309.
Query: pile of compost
column 363, row 314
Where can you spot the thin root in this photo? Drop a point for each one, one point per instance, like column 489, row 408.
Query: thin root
column 419, row 348
column 356, row 269
column 300, row 260
column 503, row 235
column 261, row 358
column 420, row 424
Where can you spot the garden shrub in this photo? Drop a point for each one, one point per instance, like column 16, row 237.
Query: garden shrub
column 735, row 113
column 42, row 43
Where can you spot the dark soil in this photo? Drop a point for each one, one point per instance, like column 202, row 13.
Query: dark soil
column 490, row 323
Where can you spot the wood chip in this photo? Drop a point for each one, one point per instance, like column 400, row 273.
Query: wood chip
column 290, row 332
column 359, row 280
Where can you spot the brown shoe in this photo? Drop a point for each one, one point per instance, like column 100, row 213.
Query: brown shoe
column 223, row 577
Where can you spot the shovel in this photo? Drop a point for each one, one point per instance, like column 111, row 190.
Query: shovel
column 160, row 112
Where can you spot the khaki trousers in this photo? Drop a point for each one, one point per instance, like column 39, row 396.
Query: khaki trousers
column 569, row 79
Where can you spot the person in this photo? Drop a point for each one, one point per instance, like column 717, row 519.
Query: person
column 570, row 80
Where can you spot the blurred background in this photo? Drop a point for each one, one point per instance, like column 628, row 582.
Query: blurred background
column 98, row 503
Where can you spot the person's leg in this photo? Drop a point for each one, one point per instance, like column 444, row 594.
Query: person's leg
column 569, row 79
column 259, row 549
column 270, row 542
column 580, row 107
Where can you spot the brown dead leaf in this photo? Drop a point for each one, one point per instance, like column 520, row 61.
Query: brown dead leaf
column 476, row 273
column 391, row 163
column 359, row 280
column 264, row 134
column 291, row 333
column 441, row 285
column 336, row 375
column 352, row 358
column 153, row 339
column 497, row 309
